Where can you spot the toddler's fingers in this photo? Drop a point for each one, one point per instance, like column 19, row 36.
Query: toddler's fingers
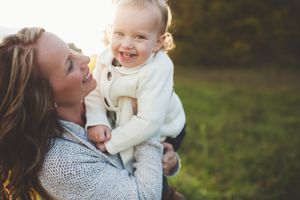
column 108, row 135
column 101, row 147
column 93, row 139
column 101, row 137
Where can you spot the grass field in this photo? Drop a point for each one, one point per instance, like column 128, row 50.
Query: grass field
column 243, row 129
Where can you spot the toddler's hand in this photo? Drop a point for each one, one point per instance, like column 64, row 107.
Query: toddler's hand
column 99, row 134
column 101, row 147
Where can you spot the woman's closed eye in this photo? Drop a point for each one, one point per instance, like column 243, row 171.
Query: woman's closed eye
column 70, row 66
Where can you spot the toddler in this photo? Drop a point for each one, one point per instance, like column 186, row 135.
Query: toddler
column 134, row 98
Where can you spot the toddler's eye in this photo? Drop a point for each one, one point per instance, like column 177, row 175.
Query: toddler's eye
column 140, row 37
column 118, row 33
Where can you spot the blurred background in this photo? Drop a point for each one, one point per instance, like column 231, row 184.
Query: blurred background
column 237, row 71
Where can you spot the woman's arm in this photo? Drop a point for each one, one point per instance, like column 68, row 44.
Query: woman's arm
column 73, row 171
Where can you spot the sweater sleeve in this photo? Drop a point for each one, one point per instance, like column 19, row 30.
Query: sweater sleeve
column 76, row 172
column 95, row 109
column 153, row 95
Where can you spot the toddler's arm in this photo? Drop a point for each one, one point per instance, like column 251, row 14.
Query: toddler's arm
column 95, row 109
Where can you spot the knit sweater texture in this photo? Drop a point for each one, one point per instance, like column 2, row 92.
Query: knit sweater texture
column 74, row 169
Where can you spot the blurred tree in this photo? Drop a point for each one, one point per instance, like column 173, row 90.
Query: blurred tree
column 237, row 32
column 92, row 63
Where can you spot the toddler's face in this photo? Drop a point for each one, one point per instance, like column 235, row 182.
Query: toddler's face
column 135, row 35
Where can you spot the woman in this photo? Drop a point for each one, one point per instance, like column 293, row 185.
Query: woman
column 43, row 145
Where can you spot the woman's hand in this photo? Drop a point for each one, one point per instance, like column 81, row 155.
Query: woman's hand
column 169, row 159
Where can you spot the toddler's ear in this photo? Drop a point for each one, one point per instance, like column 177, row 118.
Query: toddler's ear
column 159, row 43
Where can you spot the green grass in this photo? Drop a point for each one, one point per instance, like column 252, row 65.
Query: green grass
column 243, row 131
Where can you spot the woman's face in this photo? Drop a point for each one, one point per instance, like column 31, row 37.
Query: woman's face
column 66, row 70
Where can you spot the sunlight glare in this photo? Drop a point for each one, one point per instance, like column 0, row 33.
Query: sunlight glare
column 81, row 22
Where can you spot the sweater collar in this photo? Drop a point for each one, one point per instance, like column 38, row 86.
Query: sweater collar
column 76, row 133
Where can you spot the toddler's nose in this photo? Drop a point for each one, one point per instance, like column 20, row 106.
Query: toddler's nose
column 127, row 43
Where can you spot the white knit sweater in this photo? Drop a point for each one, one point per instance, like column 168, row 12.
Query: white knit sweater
column 159, row 110
column 75, row 169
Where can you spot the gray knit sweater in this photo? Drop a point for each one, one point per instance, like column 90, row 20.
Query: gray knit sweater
column 75, row 169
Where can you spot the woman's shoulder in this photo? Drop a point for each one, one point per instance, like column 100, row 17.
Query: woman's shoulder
column 70, row 169
column 64, row 153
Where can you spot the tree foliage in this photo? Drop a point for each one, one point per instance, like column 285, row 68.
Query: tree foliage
column 236, row 32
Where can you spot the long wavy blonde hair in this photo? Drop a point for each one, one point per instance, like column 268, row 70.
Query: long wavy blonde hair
column 28, row 118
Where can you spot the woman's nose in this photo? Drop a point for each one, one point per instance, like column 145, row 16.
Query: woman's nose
column 84, row 60
column 87, row 59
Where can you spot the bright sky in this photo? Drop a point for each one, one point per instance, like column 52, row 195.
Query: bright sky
column 77, row 21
